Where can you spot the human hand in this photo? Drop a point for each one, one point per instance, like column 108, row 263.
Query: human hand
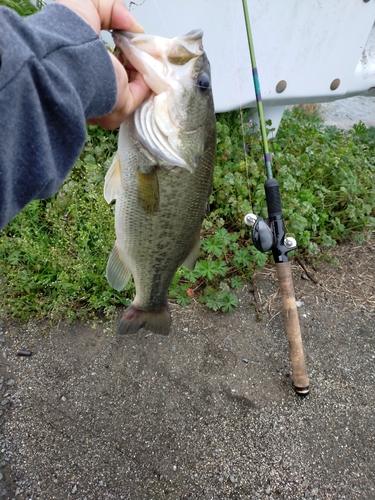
column 113, row 14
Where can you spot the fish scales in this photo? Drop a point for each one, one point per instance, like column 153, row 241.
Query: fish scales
column 159, row 205
column 156, row 245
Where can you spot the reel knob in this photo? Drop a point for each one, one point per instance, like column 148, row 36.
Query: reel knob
column 290, row 242
column 250, row 219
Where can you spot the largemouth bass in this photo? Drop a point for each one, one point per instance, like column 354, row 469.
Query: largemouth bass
column 161, row 176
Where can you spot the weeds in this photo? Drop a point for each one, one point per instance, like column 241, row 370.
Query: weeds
column 22, row 7
column 53, row 255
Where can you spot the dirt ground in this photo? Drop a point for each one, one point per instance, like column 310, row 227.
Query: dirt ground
column 208, row 412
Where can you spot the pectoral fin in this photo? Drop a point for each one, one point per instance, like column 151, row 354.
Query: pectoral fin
column 191, row 259
column 113, row 180
column 117, row 274
column 148, row 191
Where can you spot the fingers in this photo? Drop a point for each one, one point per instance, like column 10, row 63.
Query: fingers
column 104, row 14
column 113, row 14
column 130, row 95
column 139, row 91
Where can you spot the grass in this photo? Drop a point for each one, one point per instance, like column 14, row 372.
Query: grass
column 22, row 7
column 53, row 254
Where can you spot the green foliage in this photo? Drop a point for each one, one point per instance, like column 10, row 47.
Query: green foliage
column 53, row 255
column 222, row 300
column 326, row 179
column 22, row 7
column 328, row 195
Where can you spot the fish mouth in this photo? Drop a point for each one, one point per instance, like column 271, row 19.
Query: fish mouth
column 168, row 68
column 151, row 54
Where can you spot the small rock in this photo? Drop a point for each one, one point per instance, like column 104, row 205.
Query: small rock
column 1, row 476
column 63, row 398
column 232, row 479
column 245, row 360
column 10, row 382
column 74, row 489
column 4, row 402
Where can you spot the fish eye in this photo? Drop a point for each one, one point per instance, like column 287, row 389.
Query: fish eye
column 203, row 82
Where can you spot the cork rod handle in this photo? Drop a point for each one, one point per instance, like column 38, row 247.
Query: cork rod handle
column 300, row 378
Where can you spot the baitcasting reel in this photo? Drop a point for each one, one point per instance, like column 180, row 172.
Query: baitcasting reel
column 266, row 234
column 269, row 234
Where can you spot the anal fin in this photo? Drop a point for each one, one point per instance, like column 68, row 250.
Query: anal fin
column 192, row 257
column 116, row 272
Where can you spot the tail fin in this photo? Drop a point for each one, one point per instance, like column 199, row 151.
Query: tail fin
column 133, row 319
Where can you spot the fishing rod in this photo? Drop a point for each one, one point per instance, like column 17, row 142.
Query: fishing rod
column 270, row 235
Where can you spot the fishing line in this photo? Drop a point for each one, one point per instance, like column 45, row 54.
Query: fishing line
column 162, row 18
column 236, row 67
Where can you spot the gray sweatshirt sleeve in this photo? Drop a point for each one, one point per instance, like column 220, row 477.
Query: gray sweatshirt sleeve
column 54, row 73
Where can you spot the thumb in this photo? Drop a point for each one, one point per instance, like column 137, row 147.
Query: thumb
column 113, row 14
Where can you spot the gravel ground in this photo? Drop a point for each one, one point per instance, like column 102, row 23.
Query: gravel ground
column 206, row 413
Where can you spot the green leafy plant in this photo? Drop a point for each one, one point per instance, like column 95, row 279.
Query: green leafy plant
column 53, row 255
column 325, row 177
column 22, row 7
